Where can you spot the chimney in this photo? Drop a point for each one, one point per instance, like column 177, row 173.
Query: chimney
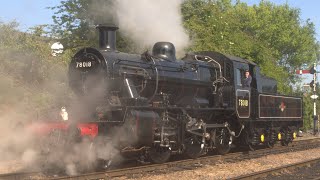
column 107, row 36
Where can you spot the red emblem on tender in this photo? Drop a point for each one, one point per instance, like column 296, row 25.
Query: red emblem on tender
column 282, row 106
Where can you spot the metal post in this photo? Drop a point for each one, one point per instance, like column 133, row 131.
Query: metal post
column 318, row 124
column 315, row 119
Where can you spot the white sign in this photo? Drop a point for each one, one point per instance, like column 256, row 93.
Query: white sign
column 314, row 96
column 56, row 49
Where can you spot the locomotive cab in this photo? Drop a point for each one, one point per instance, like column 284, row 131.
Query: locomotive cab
column 262, row 110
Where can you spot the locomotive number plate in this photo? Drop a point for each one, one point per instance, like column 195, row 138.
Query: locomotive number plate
column 83, row 64
column 243, row 102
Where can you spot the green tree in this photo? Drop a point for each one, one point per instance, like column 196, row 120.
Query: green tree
column 307, row 106
column 271, row 35
column 75, row 20
column 32, row 80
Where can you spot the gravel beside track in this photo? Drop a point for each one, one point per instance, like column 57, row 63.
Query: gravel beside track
column 22, row 176
column 309, row 169
column 173, row 170
column 170, row 169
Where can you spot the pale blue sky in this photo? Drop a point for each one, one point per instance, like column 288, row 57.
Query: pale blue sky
column 309, row 9
column 29, row 13
column 33, row 12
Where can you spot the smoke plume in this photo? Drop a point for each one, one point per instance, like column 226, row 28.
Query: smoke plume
column 150, row 21
column 145, row 22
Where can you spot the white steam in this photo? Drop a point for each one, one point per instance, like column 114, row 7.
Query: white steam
column 149, row 21
column 145, row 22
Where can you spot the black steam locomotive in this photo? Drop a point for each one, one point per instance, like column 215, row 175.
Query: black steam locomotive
column 157, row 105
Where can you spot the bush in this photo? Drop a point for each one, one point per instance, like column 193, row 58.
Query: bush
column 32, row 81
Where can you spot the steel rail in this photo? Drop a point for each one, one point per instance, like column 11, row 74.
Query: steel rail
column 193, row 163
column 21, row 176
column 265, row 173
column 297, row 145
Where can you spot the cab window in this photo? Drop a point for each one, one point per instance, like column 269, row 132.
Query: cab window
column 239, row 77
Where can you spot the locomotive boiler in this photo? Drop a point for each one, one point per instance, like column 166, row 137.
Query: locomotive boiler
column 157, row 105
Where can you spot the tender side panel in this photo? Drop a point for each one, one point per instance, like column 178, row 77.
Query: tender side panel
column 271, row 106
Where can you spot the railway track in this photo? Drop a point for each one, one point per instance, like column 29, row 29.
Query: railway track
column 175, row 165
column 22, row 176
column 272, row 171
column 195, row 163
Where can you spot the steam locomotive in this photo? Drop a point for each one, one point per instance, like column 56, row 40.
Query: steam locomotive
column 157, row 105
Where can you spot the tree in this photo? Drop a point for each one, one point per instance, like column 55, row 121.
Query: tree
column 75, row 20
column 271, row 35
column 32, row 80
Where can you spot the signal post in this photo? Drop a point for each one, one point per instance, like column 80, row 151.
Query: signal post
column 313, row 85
column 314, row 97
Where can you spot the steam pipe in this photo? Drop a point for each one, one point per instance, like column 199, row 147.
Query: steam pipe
column 157, row 80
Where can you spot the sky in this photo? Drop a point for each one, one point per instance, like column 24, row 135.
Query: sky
column 309, row 9
column 29, row 13
column 33, row 12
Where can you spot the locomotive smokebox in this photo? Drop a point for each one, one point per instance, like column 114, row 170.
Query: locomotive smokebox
column 107, row 36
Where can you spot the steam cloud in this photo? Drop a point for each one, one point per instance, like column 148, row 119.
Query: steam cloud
column 145, row 22
column 150, row 21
